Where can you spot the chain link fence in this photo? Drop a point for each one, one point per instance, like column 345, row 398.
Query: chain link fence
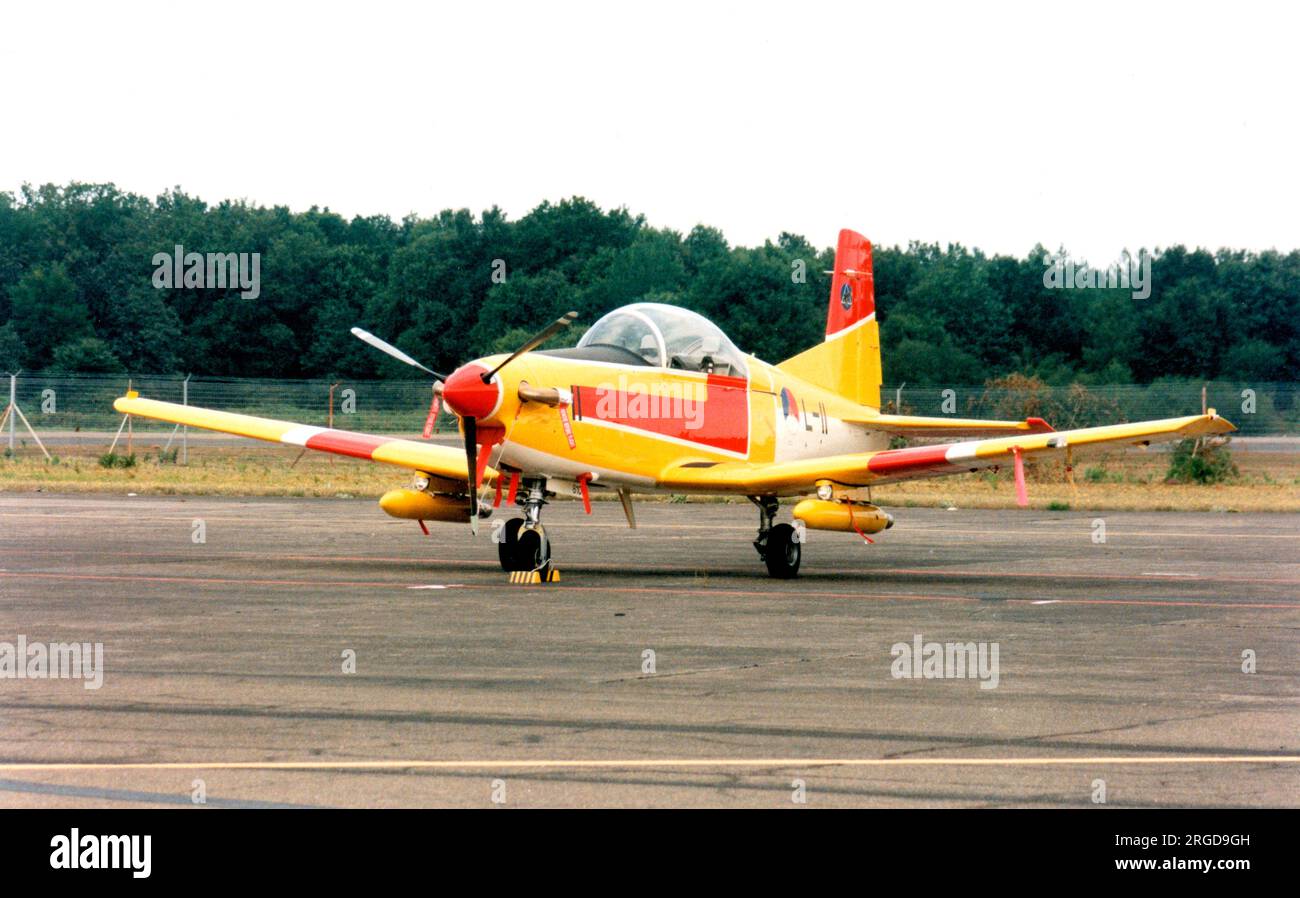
column 1257, row 409
column 61, row 403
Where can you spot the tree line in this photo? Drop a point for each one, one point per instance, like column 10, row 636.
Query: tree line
column 79, row 292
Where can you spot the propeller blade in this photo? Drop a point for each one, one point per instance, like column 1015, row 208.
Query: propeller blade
column 388, row 348
column 470, row 426
column 536, row 340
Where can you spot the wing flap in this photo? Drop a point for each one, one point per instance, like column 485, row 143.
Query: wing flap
column 440, row 461
column 888, row 465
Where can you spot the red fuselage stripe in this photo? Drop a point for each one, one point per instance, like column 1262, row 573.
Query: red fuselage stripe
column 720, row 420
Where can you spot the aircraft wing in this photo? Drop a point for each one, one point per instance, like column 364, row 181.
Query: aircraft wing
column 913, row 426
column 889, row 465
column 440, row 461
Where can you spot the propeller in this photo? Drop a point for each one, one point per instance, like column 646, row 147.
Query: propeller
column 470, row 394
column 388, row 348
column 536, row 340
column 469, row 425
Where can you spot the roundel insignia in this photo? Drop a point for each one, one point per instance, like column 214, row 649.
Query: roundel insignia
column 846, row 295
column 789, row 408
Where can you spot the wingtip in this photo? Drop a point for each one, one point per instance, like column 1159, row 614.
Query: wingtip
column 1220, row 425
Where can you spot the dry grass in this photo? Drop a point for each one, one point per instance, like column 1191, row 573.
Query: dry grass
column 1122, row 482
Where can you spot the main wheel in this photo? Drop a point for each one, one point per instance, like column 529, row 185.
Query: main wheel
column 508, row 548
column 783, row 552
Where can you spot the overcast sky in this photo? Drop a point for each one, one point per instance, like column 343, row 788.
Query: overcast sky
column 1095, row 126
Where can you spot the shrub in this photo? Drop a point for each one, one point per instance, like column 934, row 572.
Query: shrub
column 1204, row 462
column 113, row 460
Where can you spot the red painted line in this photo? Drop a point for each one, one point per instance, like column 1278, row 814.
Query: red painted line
column 822, row 571
column 916, row 597
column 1164, row 603
column 802, row 593
column 237, row 581
column 1156, row 578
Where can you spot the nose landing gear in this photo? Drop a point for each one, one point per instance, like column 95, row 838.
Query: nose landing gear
column 522, row 544
column 777, row 544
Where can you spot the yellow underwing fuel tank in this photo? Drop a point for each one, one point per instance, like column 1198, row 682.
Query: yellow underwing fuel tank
column 418, row 505
column 822, row 515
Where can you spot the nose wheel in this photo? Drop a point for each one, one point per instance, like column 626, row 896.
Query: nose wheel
column 522, row 548
column 523, row 544
column 777, row 544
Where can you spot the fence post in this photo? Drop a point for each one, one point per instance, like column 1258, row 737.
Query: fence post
column 13, row 403
column 185, row 430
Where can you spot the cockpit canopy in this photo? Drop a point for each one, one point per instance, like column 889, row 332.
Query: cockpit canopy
column 667, row 337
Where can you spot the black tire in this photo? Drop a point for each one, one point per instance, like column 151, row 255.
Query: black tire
column 783, row 552
column 508, row 548
column 533, row 551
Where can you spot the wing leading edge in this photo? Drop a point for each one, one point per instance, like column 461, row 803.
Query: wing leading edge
column 888, row 465
column 440, row 461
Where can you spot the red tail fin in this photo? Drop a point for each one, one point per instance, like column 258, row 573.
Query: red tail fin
column 848, row 361
column 853, row 295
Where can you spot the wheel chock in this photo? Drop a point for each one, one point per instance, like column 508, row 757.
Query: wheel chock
column 552, row 576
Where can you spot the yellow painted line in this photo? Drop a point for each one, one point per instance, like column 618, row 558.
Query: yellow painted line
column 626, row 763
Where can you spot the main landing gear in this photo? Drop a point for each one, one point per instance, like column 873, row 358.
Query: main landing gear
column 777, row 544
column 522, row 544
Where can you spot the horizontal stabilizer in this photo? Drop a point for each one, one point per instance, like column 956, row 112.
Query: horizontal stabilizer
column 913, row 426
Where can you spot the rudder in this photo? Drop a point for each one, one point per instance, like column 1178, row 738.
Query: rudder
column 848, row 360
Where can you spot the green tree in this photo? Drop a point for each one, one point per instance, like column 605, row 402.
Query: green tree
column 12, row 351
column 1253, row 360
column 85, row 354
column 47, row 309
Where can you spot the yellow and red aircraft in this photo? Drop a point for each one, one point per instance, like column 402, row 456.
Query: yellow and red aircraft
column 655, row 398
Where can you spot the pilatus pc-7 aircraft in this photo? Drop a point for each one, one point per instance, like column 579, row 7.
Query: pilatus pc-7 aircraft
column 656, row 399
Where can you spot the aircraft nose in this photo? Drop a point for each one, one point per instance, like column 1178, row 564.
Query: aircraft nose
column 467, row 395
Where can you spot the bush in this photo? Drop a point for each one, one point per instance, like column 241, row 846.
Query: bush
column 113, row 460
column 1204, row 462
